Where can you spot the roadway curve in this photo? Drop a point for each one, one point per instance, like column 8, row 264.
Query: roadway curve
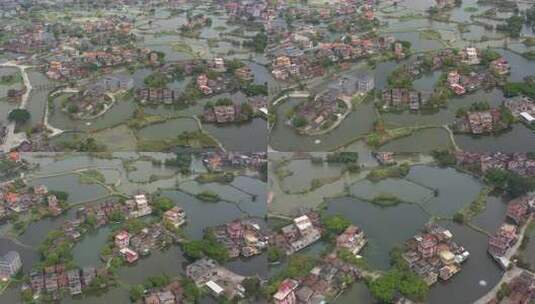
column 13, row 139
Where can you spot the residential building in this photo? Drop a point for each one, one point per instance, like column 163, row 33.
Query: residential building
column 129, row 255
column 286, row 292
column 122, row 239
column 75, row 285
column 365, row 83
column 352, row 239
column 176, row 216
column 10, row 264
column 427, row 245
column 518, row 210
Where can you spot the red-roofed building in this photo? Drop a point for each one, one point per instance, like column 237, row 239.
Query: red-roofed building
column 427, row 246
column 286, row 292
column 517, row 211
column 130, row 255
column 122, row 239
column 235, row 230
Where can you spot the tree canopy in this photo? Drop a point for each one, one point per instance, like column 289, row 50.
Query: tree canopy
column 19, row 116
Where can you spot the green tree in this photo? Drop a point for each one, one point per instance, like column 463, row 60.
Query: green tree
column 158, row 281
column 252, row 287
column 246, row 110
column 275, row 254
column 19, row 116
column 299, row 121
column 117, row 216
column 458, row 217
column 191, row 292
column 162, row 204
column 136, row 293
column 193, row 249
column 444, row 158
column 156, row 80
column 497, row 178
column 335, row 224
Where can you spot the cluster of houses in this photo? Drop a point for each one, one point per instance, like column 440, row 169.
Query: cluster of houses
column 434, row 254
column 157, row 95
column 245, row 11
column 131, row 245
column 500, row 243
column 480, row 122
column 76, row 66
column 519, row 163
column 461, row 84
column 54, row 279
column 108, row 24
column 16, row 197
column 103, row 213
column 241, row 238
column 10, row 163
column 212, row 86
column 502, row 240
column 521, row 289
column 29, row 39
column 138, row 206
column 220, row 281
column 303, row 232
column 217, row 161
column 225, row 114
column 219, row 84
column 173, row 293
column 87, row 104
column 96, row 97
column 325, row 107
column 297, row 57
column 522, row 107
column 403, row 98
column 327, row 278
column 10, row 265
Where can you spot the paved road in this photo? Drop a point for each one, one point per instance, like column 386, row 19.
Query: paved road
column 509, row 274
column 13, row 139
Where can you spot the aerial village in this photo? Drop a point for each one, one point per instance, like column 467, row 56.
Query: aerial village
column 136, row 227
column 93, row 68
column 434, row 80
column 329, row 250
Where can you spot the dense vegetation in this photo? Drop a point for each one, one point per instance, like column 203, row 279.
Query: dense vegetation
column 19, row 116
column 343, row 157
column 513, row 26
column 182, row 161
column 444, row 158
column 513, row 184
column 400, row 279
column 208, row 196
column 156, row 80
column 519, row 88
column 208, row 246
